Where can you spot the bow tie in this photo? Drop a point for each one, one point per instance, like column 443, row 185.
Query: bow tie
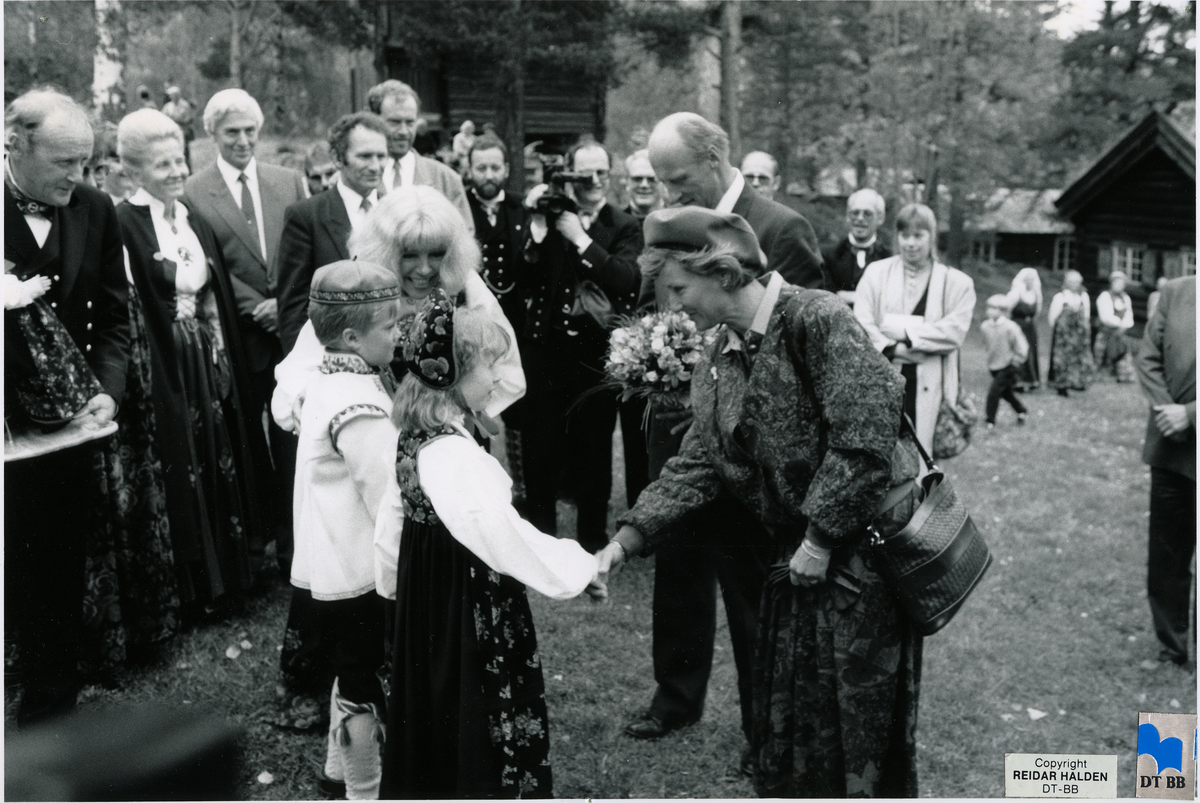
column 27, row 205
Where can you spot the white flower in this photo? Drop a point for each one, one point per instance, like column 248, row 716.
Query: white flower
column 651, row 377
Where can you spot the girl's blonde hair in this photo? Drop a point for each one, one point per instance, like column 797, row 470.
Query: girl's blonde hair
column 477, row 340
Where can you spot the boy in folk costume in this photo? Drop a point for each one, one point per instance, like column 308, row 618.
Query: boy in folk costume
column 342, row 466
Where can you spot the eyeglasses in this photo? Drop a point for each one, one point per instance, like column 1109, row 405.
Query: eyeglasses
column 643, row 180
column 757, row 178
column 598, row 175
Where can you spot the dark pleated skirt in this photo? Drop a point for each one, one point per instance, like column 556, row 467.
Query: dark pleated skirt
column 1029, row 374
column 224, row 563
column 132, row 597
column 466, row 703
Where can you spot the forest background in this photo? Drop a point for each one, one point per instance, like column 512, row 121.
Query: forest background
column 963, row 95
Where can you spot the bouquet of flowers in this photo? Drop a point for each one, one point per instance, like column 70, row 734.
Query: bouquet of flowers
column 653, row 356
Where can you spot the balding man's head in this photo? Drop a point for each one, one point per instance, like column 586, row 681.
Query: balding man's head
column 690, row 155
column 49, row 141
column 761, row 172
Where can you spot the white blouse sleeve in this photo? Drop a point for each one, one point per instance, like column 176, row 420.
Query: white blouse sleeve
column 388, row 524
column 1104, row 309
column 472, row 496
column 291, row 377
column 512, row 375
column 1056, row 308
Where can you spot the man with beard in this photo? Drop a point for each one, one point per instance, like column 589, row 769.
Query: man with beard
column 399, row 106
column 500, row 224
column 846, row 261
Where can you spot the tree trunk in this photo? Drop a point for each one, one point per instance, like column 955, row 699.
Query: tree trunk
column 380, row 39
column 731, row 45
column 235, row 43
column 107, row 62
column 510, row 100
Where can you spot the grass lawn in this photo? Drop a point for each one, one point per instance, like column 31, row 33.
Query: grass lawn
column 1060, row 625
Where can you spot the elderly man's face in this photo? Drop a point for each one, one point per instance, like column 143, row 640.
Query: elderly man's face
column 759, row 171
column 49, row 166
column 366, row 153
column 593, row 162
column 863, row 219
column 688, row 181
column 400, row 114
column 642, row 185
column 237, row 136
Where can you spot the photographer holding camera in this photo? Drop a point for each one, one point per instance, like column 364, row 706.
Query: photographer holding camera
column 582, row 273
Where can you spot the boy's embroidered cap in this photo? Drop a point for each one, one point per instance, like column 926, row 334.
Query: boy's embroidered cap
column 692, row 228
column 429, row 352
column 353, row 282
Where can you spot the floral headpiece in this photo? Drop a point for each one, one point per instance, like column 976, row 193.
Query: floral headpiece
column 429, row 352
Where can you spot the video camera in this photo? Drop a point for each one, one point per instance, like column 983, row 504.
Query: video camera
column 556, row 200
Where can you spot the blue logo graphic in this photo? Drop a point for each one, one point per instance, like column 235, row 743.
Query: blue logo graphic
column 1165, row 752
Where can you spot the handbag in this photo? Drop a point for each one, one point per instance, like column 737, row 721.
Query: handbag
column 934, row 563
column 952, row 431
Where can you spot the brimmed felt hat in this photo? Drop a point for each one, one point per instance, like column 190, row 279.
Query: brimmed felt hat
column 429, row 351
column 693, row 228
column 353, row 282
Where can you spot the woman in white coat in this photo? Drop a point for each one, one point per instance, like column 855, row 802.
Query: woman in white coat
column 917, row 312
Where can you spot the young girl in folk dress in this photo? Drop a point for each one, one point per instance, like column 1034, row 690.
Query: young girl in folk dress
column 466, row 707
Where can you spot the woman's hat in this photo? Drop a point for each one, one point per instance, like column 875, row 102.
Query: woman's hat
column 693, row 228
column 353, row 282
column 429, row 351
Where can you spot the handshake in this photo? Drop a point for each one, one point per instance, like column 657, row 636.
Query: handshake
column 609, row 559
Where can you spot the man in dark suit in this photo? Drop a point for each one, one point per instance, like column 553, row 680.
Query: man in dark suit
column 691, row 158
column 59, row 228
column 500, row 223
column 1166, row 366
column 397, row 103
column 846, row 261
column 563, row 347
column 315, row 231
column 243, row 201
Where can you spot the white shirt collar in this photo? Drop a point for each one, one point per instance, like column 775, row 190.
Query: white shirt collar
column 595, row 213
column 492, row 204
column 856, row 244
column 352, row 199
column 762, row 316
column 157, row 208
column 725, row 205
column 231, row 173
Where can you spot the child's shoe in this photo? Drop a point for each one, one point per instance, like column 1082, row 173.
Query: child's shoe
column 1022, row 418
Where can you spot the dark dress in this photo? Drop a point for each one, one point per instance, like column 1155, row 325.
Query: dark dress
column 131, row 601
column 1029, row 375
column 808, row 436
column 467, row 705
column 210, row 440
column 1071, row 366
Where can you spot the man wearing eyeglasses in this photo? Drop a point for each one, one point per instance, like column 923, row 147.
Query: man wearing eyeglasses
column 641, row 185
column 577, row 262
column 846, row 261
column 761, row 172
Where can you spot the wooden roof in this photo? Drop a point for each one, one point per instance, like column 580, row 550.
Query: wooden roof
column 1017, row 211
column 1156, row 131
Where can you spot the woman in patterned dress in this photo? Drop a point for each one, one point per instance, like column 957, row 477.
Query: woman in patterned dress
column 208, row 439
column 1114, row 310
column 1070, row 314
column 797, row 416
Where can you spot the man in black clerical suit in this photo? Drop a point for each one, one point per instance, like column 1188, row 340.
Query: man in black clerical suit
column 846, row 261
column 563, row 347
column 500, row 224
column 59, row 228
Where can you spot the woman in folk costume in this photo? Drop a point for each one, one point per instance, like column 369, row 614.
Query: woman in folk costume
column 466, row 707
column 1025, row 300
column 917, row 312
column 1114, row 311
column 208, row 441
column 1070, row 314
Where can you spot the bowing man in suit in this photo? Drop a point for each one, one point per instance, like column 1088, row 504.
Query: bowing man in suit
column 846, row 261
column 243, row 202
column 57, row 227
column 1166, row 366
column 399, row 106
column 316, row 230
column 563, row 347
column 690, row 156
